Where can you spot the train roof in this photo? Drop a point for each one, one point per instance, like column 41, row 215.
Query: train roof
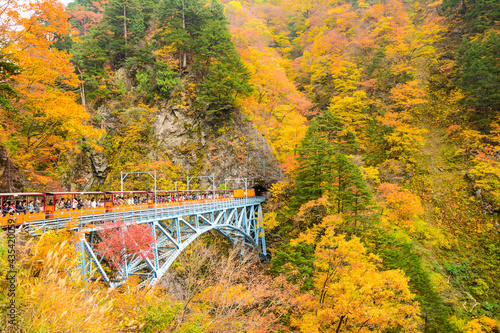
column 32, row 194
column 178, row 191
column 118, row 192
column 165, row 191
column 174, row 191
column 75, row 193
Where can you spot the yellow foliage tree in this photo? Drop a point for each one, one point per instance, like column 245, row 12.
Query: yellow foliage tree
column 402, row 211
column 276, row 106
column 52, row 296
column 349, row 103
column 352, row 293
column 482, row 324
column 405, row 140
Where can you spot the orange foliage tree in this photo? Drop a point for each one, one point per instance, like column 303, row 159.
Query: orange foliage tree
column 276, row 106
column 401, row 208
column 46, row 121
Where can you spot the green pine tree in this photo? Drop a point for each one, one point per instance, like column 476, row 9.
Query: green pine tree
column 90, row 55
column 180, row 24
column 198, row 31
column 219, row 69
column 7, row 69
column 333, row 130
column 478, row 75
column 349, row 190
column 324, row 169
column 125, row 19
column 478, row 15
column 315, row 168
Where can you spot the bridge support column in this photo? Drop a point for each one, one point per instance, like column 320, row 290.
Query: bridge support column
column 261, row 233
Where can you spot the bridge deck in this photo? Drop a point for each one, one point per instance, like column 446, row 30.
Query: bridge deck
column 138, row 214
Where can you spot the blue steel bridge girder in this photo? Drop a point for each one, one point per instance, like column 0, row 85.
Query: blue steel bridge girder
column 174, row 229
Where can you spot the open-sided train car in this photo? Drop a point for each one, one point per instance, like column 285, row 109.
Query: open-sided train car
column 16, row 204
column 26, row 207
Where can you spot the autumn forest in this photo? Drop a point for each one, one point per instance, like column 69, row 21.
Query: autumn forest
column 370, row 126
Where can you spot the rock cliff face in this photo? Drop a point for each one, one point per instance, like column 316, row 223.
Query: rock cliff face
column 88, row 171
column 10, row 178
column 227, row 148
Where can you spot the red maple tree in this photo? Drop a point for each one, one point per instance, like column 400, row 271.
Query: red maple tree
column 119, row 240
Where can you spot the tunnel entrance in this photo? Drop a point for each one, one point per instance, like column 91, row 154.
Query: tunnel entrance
column 260, row 190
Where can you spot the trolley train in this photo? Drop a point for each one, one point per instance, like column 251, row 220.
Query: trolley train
column 27, row 207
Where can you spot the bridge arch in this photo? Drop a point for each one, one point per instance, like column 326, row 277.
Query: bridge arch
column 221, row 229
column 239, row 220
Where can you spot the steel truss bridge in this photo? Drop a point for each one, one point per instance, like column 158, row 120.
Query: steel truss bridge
column 173, row 227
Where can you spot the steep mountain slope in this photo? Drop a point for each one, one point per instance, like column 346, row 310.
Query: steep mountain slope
column 423, row 121
column 373, row 122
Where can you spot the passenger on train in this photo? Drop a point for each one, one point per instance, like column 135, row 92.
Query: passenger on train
column 93, row 203
column 61, row 205
column 12, row 208
column 31, row 207
column 37, row 206
column 67, row 205
column 6, row 209
column 20, row 208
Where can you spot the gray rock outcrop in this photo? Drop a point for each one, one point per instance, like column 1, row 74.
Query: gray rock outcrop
column 227, row 148
column 10, row 178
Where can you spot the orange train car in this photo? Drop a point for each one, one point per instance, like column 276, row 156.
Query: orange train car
column 243, row 193
column 10, row 210
column 26, row 207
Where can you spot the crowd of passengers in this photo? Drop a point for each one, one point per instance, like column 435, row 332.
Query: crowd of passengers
column 20, row 207
column 24, row 207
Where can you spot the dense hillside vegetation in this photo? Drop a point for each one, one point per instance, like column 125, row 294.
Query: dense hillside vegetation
column 374, row 123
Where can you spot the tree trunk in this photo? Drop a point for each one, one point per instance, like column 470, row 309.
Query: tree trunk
column 125, row 27
column 82, row 89
column 340, row 324
column 184, row 62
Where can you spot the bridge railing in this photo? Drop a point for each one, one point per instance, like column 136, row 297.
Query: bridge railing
column 137, row 215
